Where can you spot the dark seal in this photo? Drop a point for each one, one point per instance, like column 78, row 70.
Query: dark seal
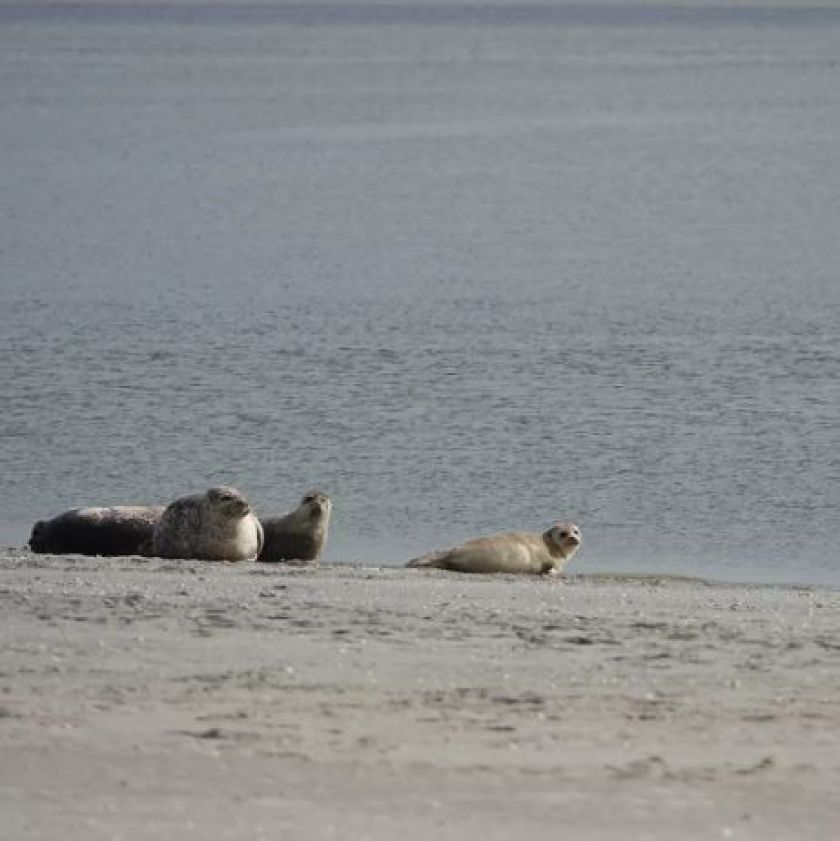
column 299, row 535
column 118, row 530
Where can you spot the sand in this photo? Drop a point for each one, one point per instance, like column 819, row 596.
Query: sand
column 151, row 699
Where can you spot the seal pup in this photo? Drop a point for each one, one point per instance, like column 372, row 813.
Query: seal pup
column 214, row 526
column 514, row 551
column 299, row 535
column 112, row 531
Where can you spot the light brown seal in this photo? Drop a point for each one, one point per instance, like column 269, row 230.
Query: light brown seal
column 515, row 551
column 214, row 526
column 299, row 535
column 111, row 531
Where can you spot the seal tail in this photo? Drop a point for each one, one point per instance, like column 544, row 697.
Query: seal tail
column 37, row 543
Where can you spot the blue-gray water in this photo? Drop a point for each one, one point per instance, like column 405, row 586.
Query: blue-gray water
column 466, row 269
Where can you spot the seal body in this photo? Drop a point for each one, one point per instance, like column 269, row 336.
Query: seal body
column 299, row 535
column 116, row 530
column 511, row 552
column 214, row 526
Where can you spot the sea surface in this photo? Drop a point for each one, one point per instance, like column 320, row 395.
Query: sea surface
column 464, row 267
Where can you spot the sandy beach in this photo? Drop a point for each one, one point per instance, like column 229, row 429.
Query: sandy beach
column 151, row 699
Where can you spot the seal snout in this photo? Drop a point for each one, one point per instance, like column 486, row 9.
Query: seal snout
column 239, row 506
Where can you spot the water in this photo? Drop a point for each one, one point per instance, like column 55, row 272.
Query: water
column 464, row 270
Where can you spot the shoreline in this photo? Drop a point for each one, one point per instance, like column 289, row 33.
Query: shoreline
column 602, row 575
column 241, row 701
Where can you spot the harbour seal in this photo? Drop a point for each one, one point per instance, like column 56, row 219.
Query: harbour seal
column 514, row 551
column 214, row 526
column 117, row 530
column 299, row 535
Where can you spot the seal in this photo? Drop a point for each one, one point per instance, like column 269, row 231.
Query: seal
column 214, row 526
column 117, row 530
column 299, row 535
column 514, row 551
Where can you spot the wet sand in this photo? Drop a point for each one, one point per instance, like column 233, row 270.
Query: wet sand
column 151, row 699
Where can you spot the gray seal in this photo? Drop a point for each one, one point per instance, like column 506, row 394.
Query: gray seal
column 214, row 526
column 107, row 531
column 299, row 535
column 512, row 552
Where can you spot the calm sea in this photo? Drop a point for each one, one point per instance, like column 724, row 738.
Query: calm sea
column 465, row 268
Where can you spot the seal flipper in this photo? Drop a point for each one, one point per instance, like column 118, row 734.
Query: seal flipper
column 260, row 538
column 433, row 560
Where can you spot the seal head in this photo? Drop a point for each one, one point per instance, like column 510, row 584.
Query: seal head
column 228, row 502
column 562, row 540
